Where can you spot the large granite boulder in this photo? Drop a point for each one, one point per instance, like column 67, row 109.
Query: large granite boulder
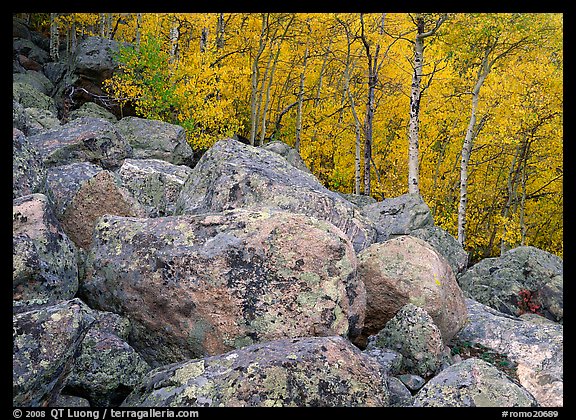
column 91, row 109
column 107, row 368
column 35, row 79
column 202, row 285
column 398, row 215
column 300, row 372
column 152, row 139
column 40, row 120
column 408, row 270
column 524, row 279
column 94, row 58
column 234, row 175
column 536, row 348
column 83, row 140
column 102, row 194
column 413, row 334
column 44, row 265
column 473, row 383
column 30, row 49
column 44, row 344
column 28, row 170
column 156, row 184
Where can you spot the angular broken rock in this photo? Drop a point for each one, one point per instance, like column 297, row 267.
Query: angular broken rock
column 202, row 285
column 499, row 282
column 300, row 372
column 155, row 183
column 83, row 140
column 44, row 264
column 473, row 383
column 234, row 175
column 398, row 215
column 45, row 342
column 408, row 270
column 152, row 139
column 413, row 334
column 288, row 153
column 537, row 348
column 100, row 195
column 28, row 170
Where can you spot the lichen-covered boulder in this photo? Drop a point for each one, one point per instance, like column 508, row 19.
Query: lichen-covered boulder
column 19, row 117
column 44, row 344
column 413, row 334
column 156, row 184
column 153, row 139
column 537, row 348
column 65, row 181
column 400, row 395
column 29, row 97
column 408, row 270
column 102, row 194
column 83, row 140
column 40, row 120
column 35, row 79
column 91, row 109
column 473, row 383
column 30, row 49
column 523, row 279
column 107, row 367
column 300, row 372
column 69, row 401
column 94, row 58
column 389, row 359
column 234, row 175
column 446, row 245
column 202, row 285
column 288, row 153
column 28, row 170
column 398, row 215
column 44, row 262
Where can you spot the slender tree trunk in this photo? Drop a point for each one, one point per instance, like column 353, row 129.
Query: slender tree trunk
column 220, row 26
column 174, row 39
column 467, row 151
column 368, row 124
column 204, row 39
column 300, row 101
column 54, row 37
column 255, row 76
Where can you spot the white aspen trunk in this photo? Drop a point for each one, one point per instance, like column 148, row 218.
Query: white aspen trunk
column 220, row 31
column 174, row 38
column 466, row 152
column 204, row 39
column 54, row 37
column 300, row 99
column 413, row 127
column 254, row 82
column 357, row 155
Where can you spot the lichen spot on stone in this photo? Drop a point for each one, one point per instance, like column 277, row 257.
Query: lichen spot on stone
column 189, row 371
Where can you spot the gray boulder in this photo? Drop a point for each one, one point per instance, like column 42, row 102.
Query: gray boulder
column 40, row 120
column 288, row 153
column 44, row 344
column 55, row 71
column 35, row 79
column 83, row 140
column 400, row 395
column 107, row 367
column 234, row 175
column 28, row 170
column 524, row 279
column 473, row 383
column 152, row 139
column 156, row 184
column 65, row 181
column 389, row 359
column 26, row 95
column 446, row 245
column 30, row 49
column 412, row 333
column 44, row 262
column 91, row 109
column 301, row 372
column 203, row 285
column 537, row 348
column 69, row 401
column 94, row 58
column 399, row 215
